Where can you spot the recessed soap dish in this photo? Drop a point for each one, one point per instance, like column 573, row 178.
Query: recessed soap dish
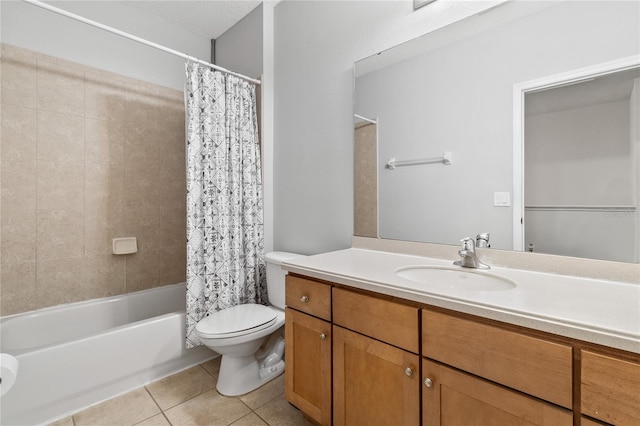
column 126, row 245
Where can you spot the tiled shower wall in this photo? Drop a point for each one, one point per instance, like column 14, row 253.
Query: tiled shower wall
column 87, row 156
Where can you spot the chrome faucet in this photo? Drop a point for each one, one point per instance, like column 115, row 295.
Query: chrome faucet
column 468, row 256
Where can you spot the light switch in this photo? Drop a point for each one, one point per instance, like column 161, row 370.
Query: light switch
column 501, row 199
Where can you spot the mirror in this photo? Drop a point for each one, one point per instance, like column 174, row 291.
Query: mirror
column 452, row 91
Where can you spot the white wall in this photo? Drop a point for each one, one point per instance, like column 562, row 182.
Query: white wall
column 240, row 48
column 316, row 45
column 459, row 98
column 41, row 30
column 580, row 157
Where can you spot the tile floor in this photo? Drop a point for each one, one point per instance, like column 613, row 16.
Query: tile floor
column 190, row 398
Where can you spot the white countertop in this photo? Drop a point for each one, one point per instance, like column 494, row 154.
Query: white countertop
column 597, row 311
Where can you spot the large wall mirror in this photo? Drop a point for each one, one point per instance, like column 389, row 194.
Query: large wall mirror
column 522, row 121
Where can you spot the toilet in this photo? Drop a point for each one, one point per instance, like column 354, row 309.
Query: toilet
column 249, row 337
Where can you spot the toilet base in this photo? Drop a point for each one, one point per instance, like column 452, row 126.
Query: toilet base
column 242, row 374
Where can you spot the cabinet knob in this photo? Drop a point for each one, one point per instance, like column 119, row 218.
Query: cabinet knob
column 428, row 382
column 408, row 372
column 304, row 299
column 323, row 336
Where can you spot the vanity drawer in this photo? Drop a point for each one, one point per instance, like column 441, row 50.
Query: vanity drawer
column 610, row 389
column 387, row 321
column 311, row 297
column 531, row 365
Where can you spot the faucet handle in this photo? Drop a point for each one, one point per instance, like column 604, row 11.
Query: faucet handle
column 468, row 243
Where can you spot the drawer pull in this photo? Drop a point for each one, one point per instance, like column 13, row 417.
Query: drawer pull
column 304, row 299
column 323, row 336
column 428, row 382
column 408, row 372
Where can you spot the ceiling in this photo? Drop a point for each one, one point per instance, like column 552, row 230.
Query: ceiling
column 206, row 18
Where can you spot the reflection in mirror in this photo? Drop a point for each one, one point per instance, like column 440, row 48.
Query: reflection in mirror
column 365, row 183
column 581, row 175
column 452, row 91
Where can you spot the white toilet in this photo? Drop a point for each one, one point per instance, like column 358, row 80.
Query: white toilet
column 249, row 337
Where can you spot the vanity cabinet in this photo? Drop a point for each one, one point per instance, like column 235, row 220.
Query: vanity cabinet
column 373, row 383
column 361, row 358
column 308, row 343
column 610, row 388
column 451, row 397
column 531, row 365
column 376, row 366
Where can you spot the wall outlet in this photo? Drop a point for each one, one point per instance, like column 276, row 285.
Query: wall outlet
column 501, row 199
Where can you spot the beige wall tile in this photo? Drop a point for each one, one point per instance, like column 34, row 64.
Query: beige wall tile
column 60, row 185
column 128, row 409
column 103, row 187
column 142, row 270
column 60, row 137
column 60, row 234
column 59, row 281
column 60, row 88
column 18, row 236
column 19, row 291
column 18, row 78
column 18, row 184
column 18, row 133
column 88, row 156
column 104, row 142
column 104, row 276
column 104, row 97
column 100, row 227
column 181, row 387
column 210, row 408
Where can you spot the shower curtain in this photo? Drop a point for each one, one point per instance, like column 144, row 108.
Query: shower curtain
column 225, row 241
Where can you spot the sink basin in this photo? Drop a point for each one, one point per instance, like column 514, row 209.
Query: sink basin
column 455, row 278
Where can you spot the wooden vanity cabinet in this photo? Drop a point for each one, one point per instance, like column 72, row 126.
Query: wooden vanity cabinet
column 359, row 358
column 376, row 366
column 308, row 343
column 610, row 388
column 373, row 383
column 451, row 397
column 531, row 365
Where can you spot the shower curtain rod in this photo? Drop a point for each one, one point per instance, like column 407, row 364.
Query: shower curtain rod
column 136, row 38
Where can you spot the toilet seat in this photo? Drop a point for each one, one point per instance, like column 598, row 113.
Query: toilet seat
column 236, row 321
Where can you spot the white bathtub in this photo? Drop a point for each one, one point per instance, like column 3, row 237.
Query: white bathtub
column 76, row 355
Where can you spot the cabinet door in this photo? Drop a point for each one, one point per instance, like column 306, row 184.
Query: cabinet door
column 308, row 365
column 373, row 383
column 610, row 389
column 450, row 397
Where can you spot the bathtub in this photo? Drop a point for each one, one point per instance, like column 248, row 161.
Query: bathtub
column 76, row 355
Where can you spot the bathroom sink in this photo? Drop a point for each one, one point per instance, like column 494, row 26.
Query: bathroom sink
column 455, row 278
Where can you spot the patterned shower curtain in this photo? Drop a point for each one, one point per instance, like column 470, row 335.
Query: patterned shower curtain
column 225, row 241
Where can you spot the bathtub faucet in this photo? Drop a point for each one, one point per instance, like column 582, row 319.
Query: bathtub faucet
column 468, row 257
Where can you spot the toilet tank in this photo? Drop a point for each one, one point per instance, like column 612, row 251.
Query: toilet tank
column 275, row 276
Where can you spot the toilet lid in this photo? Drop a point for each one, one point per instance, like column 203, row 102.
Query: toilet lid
column 236, row 321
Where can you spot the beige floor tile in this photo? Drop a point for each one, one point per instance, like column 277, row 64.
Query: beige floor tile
column 280, row 413
column 250, row 420
column 213, row 367
column 157, row 420
column 181, row 387
column 128, row 409
column 67, row 421
column 264, row 394
column 210, row 408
